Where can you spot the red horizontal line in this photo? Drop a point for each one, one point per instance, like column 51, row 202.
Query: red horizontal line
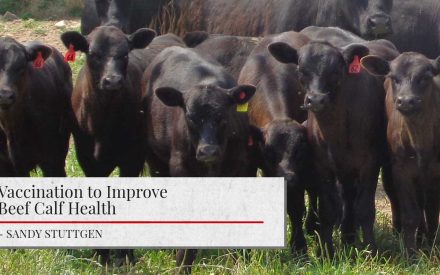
column 131, row 222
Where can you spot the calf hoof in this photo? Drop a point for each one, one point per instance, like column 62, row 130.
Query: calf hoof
column 298, row 251
column 299, row 247
column 325, row 252
column 103, row 256
column 372, row 248
column 124, row 256
column 348, row 239
column 311, row 226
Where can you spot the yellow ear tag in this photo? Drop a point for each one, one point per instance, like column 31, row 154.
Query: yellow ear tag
column 242, row 108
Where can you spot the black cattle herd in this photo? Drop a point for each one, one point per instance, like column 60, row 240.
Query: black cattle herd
column 307, row 90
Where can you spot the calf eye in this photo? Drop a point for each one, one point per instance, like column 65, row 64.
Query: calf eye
column 303, row 76
column 395, row 80
column 95, row 55
column 424, row 80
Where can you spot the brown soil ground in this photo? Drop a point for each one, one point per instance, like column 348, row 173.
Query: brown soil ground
column 44, row 31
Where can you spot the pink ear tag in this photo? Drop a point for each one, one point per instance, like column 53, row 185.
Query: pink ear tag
column 70, row 54
column 355, row 66
column 242, row 95
column 39, row 61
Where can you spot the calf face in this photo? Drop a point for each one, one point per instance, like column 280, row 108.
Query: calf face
column 412, row 78
column 208, row 114
column 15, row 61
column 284, row 149
column 107, row 49
column 322, row 69
column 376, row 20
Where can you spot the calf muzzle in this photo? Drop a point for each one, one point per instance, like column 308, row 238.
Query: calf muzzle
column 408, row 104
column 316, row 102
column 379, row 25
column 112, row 82
column 208, row 153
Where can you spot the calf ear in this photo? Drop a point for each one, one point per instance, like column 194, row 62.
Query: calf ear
column 353, row 50
column 283, row 52
column 76, row 39
column 34, row 48
column 141, row 38
column 242, row 93
column 192, row 39
column 170, row 96
column 375, row 65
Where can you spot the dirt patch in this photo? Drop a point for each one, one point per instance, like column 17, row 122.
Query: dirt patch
column 43, row 31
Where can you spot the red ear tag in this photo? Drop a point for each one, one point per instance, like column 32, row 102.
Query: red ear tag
column 250, row 141
column 39, row 61
column 242, row 95
column 355, row 66
column 71, row 54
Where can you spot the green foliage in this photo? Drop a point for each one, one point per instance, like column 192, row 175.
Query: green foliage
column 42, row 9
column 10, row 5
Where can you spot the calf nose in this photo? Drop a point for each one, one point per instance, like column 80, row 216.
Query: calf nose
column 7, row 98
column 380, row 24
column 408, row 103
column 112, row 82
column 315, row 102
column 208, row 153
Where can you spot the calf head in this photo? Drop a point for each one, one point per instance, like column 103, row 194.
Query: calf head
column 322, row 69
column 412, row 79
column 375, row 20
column 15, row 63
column 284, row 149
column 209, row 113
column 107, row 50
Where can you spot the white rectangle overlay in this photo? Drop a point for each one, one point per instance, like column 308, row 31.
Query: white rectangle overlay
column 142, row 213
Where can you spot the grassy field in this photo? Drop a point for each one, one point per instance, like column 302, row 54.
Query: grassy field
column 389, row 260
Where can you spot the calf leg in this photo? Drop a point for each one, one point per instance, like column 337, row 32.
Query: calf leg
column 388, row 186
column 185, row 258
column 410, row 210
column 329, row 211
column 124, row 255
column 133, row 170
column 348, row 228
column 432, row 210
column 104, row 255
column 296, row 209
column 365, row 210
column 53, row 169
column 312, row 223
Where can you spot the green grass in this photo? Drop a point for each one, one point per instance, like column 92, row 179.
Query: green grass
column 390, row 260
